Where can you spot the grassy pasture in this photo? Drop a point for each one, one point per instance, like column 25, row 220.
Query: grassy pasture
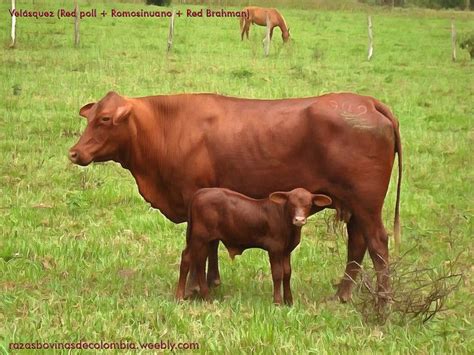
column 83, row 257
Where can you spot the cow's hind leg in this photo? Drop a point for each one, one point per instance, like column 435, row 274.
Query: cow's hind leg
column 377, row 244
column 213, row 276
column 355, row 254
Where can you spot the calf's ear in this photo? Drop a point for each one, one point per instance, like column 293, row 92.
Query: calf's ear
column 279, row 197
column 121, row 113
column 321, row 200
column 84, row 111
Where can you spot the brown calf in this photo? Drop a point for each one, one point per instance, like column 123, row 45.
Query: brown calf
column 240, row 222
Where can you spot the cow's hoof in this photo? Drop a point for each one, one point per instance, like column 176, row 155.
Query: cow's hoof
column 191, row 290
column 343, row 295
column 214, row 282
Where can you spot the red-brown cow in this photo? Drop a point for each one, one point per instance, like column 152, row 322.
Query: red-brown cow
column 273, row 224
column 342, row 145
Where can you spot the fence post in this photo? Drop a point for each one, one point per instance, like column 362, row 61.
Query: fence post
column 371, row 38
column 76, row 24
column 171, row 33
column 453, row 40
column 13, row 42
column 267, row 40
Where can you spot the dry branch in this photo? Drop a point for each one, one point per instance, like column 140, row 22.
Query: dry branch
column 416, row 291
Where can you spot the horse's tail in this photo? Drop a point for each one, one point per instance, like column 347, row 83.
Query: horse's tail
column 384, row 110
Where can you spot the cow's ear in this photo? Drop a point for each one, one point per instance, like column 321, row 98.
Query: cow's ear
column 84, row 111
column 279, row 197
column 321, row 200
column 121, row 113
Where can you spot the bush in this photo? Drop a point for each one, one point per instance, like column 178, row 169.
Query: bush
column 467, row 43
column 435, row 4
column 158, row 2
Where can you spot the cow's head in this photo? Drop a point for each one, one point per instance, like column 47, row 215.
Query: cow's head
column 299, row 203
column 106, row 136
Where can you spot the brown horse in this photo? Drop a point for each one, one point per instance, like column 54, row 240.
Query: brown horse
column 258, row 16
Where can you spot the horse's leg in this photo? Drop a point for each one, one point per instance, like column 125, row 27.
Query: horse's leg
column 271, row 32
column 355, row 254
column 247, row 28
column 213, row 277
column 242, row 28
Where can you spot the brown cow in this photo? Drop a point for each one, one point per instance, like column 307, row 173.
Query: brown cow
column 273, row 224
column 342, row 145
column 258, row 16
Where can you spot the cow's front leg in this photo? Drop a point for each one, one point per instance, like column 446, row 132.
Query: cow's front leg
column 192, row 285
column 213, row 277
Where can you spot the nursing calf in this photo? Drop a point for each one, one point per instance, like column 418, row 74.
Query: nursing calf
column 273, row 224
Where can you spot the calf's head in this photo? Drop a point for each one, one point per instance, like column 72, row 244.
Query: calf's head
column 299, row 203
column 106, row 136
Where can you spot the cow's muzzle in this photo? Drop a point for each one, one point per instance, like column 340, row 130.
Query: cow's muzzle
column 299, row 221
column 77, row 158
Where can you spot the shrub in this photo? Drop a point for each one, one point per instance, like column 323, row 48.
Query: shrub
column 158, row 2
column 467, row 43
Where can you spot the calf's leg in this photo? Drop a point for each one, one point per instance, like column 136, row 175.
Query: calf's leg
column 276, row 262
column 287, row 296
column 200, row 253
column 356, row 249
column 213, row 277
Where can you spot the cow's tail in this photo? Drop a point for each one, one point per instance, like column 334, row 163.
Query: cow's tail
column 398, row 149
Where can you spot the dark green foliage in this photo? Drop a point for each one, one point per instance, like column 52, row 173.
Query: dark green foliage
column 158, row 2
column 435, row 4
column 467, row 43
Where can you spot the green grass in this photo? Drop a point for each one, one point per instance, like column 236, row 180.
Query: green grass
column 83, row 257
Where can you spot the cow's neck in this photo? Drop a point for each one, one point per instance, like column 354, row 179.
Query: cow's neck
column 148, row 160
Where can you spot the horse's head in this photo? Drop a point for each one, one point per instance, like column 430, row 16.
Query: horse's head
column 286, row 35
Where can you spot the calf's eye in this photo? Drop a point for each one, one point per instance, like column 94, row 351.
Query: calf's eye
column 105, row 119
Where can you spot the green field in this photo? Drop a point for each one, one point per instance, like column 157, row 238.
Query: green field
column 84, row 257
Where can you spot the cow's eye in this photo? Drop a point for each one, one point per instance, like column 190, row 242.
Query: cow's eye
column 105, row 119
